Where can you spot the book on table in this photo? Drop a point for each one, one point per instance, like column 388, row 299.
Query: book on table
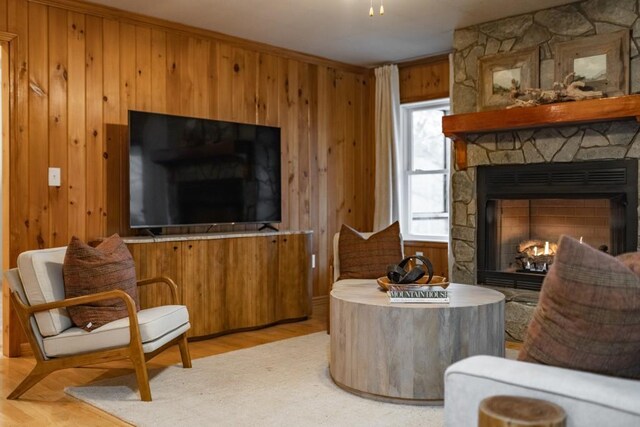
column 419, row 294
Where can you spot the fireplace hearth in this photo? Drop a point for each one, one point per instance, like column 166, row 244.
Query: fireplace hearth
column 524, row 209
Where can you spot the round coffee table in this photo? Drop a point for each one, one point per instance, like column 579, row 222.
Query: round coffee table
column 398, row 352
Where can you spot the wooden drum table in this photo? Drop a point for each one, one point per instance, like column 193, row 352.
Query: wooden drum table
column 398, row 352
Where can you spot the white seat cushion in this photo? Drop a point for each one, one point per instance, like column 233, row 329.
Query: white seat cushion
column 158, row 325
column 41, row 275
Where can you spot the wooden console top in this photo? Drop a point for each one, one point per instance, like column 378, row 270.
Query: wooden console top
column 210, row 236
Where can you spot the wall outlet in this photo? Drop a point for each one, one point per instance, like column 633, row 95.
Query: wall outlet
column 54, row 177
column 419, row 253
column 313, row 260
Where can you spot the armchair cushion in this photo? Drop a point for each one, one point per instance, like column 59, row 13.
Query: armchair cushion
column 88, row 270
column 588, row 317
column 41, row 277
column 158, row 325
column 363, row 257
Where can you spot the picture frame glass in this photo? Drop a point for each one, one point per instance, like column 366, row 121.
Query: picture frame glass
column 591, row 69
column 601, row 61
column 498, row 73
column 504, row 80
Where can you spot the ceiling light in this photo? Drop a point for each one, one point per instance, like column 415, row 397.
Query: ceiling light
column 371, row 13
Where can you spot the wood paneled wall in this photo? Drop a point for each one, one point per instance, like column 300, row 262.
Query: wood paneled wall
column 79, row 68
column 436, row 252
column 424, row 79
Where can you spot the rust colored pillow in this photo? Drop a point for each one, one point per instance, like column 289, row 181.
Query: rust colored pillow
column 89, row 270
column 362, row 258
column 588, row 317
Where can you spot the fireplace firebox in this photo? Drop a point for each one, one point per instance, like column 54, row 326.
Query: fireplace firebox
column 524, row 209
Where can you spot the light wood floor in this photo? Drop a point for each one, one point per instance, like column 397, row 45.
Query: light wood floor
column 46, row 404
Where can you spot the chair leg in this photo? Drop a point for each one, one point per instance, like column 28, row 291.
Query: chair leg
column 142, row 376
column 184, row 351
column 36, row 374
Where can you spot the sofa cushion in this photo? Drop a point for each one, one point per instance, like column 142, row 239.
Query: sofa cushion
column 41, row 277
column 154, row 323
column 588, row 316
column 89, row 270
column 368, row 258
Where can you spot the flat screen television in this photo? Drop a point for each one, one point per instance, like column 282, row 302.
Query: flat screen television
column 192, row 171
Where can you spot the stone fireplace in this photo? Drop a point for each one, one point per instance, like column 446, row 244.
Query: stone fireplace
column 556, row 147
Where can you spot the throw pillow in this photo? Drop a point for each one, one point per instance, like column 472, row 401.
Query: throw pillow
column 631, row 260
column 362, row 258
column 89, row 270
column 588, row 317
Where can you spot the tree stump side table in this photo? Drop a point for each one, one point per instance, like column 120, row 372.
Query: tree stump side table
column 516, row 411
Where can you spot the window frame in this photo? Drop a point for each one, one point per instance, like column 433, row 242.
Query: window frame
column 406, row 169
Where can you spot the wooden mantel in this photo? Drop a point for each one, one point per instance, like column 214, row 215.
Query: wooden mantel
column 458, row 126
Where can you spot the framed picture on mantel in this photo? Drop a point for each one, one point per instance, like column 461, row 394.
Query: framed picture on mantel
column 498, row 73
column 601, row 61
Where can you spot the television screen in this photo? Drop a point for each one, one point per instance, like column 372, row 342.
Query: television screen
column 190, row 171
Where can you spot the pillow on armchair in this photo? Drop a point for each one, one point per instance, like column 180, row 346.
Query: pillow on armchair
column 368, row 258
column 89, row 270
column 588, row 317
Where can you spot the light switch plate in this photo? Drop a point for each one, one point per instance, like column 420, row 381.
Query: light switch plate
column 54, row 177
column 313, row 260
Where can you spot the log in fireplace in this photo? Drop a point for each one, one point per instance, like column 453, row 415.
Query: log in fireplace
column 523, row 210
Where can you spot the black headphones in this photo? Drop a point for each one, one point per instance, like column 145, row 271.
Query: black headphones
column 397, row 273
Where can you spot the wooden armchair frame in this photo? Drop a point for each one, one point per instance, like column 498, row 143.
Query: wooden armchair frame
column 134, row 351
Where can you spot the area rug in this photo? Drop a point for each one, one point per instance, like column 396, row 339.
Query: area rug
column 284, row 383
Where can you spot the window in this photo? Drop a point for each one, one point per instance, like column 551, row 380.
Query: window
column 425, row 157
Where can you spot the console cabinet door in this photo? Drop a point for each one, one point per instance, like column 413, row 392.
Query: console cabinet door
column 204, row 276
column 153, row 260
column 294, row 276
column 250, row 280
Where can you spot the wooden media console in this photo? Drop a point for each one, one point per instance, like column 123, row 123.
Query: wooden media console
column 232, row 281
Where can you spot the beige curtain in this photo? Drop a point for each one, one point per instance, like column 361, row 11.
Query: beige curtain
column 387, row 119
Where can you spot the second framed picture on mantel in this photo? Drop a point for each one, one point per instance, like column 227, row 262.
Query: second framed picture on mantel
column 601, row 61
column 498, row 73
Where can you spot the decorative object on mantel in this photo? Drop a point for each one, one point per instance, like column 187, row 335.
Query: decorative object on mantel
column 458, row 126
column 497, row 73
column 601, row 61
column 567, row 90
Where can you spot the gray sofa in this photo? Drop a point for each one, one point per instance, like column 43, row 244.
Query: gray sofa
column 588, row 399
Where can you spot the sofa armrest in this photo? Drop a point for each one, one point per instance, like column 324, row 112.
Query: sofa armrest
column 588, row 399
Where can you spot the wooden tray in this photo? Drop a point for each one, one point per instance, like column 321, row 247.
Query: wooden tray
column 439, row 281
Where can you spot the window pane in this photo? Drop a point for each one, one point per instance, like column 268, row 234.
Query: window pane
column 428, row 142
column 427, row 194
column 430, row 227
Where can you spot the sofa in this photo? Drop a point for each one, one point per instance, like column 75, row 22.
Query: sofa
column 588, row 399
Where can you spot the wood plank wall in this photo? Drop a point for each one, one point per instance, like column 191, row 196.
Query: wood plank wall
column 436, row 252
column 424, row 79
column 79, row 68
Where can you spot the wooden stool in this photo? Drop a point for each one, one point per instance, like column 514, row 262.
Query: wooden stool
column 514, row 411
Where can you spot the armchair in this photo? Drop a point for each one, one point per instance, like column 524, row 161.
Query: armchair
column 37, row 294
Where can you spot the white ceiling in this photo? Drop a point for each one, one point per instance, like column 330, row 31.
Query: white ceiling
column 339, row 29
